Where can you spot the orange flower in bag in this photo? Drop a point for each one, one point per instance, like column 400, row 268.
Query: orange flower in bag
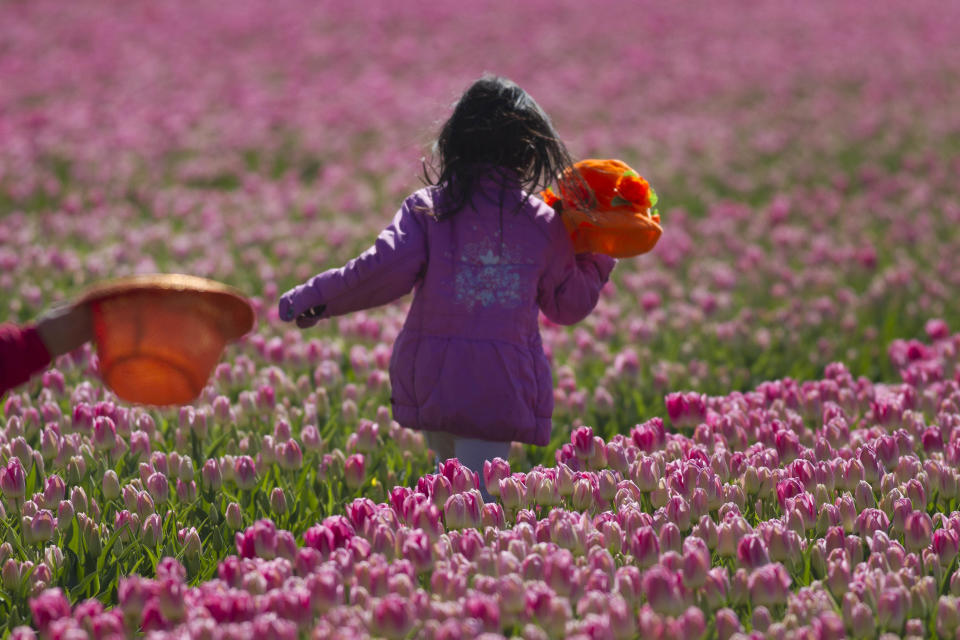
column 607, row 208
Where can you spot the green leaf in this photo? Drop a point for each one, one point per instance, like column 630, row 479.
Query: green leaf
column 81, row 588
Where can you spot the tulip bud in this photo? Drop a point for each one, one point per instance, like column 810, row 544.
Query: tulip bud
column 190, row 540
column 55, row 489
column 311, row 439
column 696, row 563
column 289, row 455
column 245, row 473
column 645, row 547
column 511, row 493
column 354, row 472
column 42, row 526
column 91, row 534
column 863, row 496
column 151, row 532
column 946, row 545
column 79, row 499
column 392, row 617
column 10, row 575
column 565, row 480
column 13, row 479
column 234, row 516
column 278, row 501
column 111, row 485
column 948, row 617
column 918, row 530
column 185, row 470
column 186, row 491
column 493, row 472
column 158, row 487
column 455, row 512
column 892, row 609
column 104, row 434
column 545, row 493
column 210, row 477
column 583, row 498
column 727, row 623
column 126, row 524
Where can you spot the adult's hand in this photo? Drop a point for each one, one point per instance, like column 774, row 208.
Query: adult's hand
column 63, row 329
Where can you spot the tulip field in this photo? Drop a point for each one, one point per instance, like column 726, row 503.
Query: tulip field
column 756, row 433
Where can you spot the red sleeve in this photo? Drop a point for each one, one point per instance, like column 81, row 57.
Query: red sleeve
column 22, row 354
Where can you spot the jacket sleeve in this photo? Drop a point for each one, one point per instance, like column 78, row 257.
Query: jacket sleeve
column 381, row 274
column 22, row 354
column 570, row 285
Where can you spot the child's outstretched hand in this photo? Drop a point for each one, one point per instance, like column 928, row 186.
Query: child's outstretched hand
column 301, row 304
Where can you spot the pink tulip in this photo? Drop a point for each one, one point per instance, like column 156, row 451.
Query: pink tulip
column 716, row 587
column 210, row 477
column 491, row 515
column 104, row 434
column 55, row 489
column 278, row 501
column 354, row 471
column 583, row 442
column 696, row 564
column 584, row 496
column 493, row 472
column 752, row 552
column 392, row 617
column 13, row 479
column 645, row 547
column 917, row 530
column 245, row 473
column 662, row 590
column 838, row 577
column 158, row 487
column 42, row 526
column 946, row 544
column 289, row 455
column 151, row 530
column 670, row 537
column 769, row 585
column 892, row 609
column 727, row 624
column 190, row 540
column 49, row 607
column 65, row 513
column 233, row 516
column 511, row 493
column 311, row 439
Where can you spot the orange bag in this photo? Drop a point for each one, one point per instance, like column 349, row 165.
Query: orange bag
column 609, row 209
column 159, row 337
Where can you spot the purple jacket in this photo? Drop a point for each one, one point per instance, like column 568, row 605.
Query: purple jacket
column 469, row 360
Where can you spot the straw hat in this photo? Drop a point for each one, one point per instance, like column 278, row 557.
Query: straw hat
column 160, row 336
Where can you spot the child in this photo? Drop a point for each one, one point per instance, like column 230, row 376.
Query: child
column 484, row 257
column 26, row 350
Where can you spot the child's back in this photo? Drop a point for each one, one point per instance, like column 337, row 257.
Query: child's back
column 484, row 257
column 469, row 360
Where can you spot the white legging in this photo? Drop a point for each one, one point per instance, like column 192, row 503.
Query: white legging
column 469, row 451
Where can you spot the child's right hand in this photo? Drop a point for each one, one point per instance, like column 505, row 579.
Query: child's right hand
column 302, row 305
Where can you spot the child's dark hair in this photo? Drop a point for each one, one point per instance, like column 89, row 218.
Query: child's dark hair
column 496, row 128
